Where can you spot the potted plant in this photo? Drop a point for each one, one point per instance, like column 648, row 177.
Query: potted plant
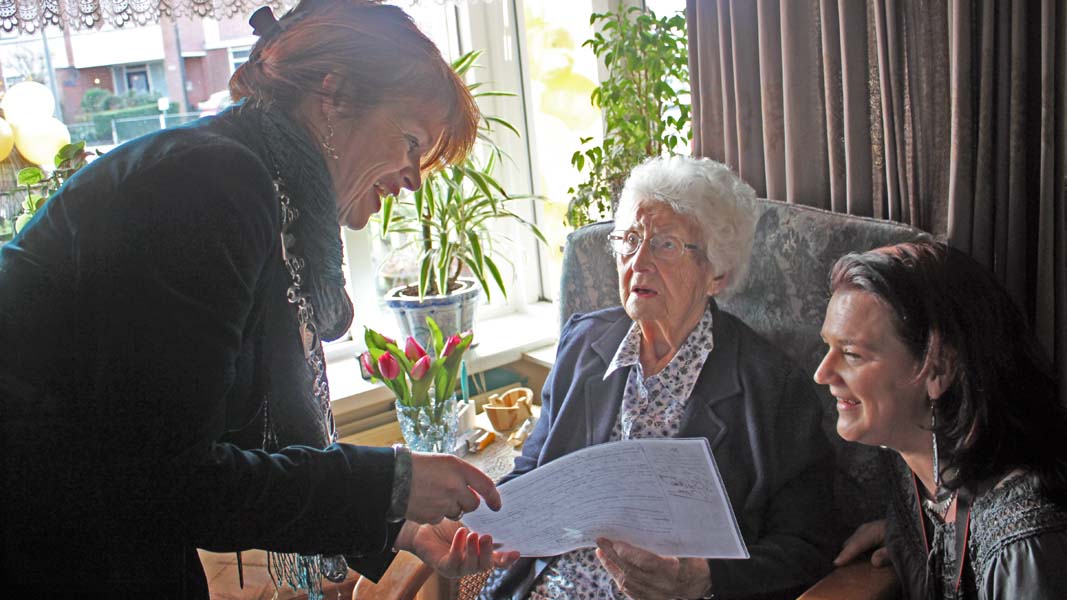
column 644, row 101
column 446, row 223
column 40, row 185
column 423, row 381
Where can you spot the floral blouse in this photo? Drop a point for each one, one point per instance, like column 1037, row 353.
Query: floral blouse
column 652, row 407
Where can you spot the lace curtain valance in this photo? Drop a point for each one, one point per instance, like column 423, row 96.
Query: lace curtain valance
column 28, row 16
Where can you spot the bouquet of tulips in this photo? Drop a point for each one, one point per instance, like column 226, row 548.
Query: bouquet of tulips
column 414, row 372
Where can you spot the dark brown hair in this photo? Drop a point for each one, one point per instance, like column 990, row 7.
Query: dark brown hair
column 1000, row 412
column 381, row 58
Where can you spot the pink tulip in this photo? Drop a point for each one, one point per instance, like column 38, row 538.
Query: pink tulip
column 388, row 366
column 413, row 350
column 368, row 363
column 450, row 345
column 420, row 368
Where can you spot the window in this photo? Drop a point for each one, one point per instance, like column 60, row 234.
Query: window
column 238, row 57
column 137, row 80
column 665, row 7
column 562, row 75
column 457, row 28
column 142, row 60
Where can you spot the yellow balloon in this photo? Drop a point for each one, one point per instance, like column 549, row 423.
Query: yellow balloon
column 7, row 139
column 39, row 140
column 28, row 101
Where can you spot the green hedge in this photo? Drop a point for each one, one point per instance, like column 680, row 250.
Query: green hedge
column 102, row 120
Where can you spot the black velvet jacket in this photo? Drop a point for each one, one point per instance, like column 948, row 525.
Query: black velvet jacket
column 143, row 321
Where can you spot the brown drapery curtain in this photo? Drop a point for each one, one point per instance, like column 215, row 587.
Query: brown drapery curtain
column 948, row 115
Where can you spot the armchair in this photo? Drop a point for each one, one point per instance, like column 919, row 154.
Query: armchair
column 784, row 299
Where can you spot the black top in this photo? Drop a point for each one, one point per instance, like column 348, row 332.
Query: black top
column 1016, row 544
column 143, row 322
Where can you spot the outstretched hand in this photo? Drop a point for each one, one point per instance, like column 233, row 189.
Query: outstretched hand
column 643, row 575
column 451, row 549
column 867, row 537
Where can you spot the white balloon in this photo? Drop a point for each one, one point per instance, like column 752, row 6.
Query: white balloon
column 7, row 139
column 28, row 101
column 38, row 140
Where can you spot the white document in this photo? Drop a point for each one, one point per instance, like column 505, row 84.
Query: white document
column 662, row 495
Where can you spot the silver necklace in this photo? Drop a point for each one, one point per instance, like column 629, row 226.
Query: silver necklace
column 940, row 508
column 305, row 312
column 293, row 567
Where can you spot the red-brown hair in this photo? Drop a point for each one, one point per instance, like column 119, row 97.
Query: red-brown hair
column 379, row 54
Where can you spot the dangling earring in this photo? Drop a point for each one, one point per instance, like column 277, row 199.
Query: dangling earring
column 327, row 140
column 933, row 434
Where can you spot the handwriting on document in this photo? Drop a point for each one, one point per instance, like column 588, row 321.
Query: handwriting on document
column 664, row 495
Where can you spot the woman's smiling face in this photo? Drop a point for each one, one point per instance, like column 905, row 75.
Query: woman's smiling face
column 882, row 394
column 379, row 153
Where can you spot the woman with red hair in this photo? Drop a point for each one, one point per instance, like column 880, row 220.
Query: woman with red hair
column 162, row 378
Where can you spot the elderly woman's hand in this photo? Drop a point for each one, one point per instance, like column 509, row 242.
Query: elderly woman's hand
column 452, row 549
column 643, row 575
column 869, row 536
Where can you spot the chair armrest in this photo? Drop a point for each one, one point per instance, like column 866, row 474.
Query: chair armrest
column 855, row 581
column 403, row 579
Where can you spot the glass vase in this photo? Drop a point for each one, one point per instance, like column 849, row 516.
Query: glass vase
column 429, row 428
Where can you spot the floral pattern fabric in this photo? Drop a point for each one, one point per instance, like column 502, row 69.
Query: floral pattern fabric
column 652, row 407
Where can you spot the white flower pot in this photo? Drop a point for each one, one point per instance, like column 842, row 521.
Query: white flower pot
column 453, row 313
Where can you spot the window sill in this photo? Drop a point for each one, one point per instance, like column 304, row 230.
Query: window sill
column 499, row 341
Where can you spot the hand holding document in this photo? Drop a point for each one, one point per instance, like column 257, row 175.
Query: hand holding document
column 662, row 495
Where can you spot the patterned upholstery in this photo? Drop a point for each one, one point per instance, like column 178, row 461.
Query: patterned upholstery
column 784, row 299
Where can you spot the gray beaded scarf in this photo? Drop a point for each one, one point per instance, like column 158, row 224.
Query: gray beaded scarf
column 311, row 245
column 299, row 163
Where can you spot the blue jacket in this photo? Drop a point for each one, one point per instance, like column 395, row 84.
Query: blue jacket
column 758, row 411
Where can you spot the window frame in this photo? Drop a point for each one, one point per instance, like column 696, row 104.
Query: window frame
column 470, row 25
column 134, row 69
column 230, row 53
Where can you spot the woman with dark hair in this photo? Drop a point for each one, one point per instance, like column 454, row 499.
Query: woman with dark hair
column 162, row 380
column 930, row 357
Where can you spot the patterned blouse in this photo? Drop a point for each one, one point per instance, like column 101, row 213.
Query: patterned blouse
column 652, row 407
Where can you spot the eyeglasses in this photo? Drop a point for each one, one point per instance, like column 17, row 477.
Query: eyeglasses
column 664, row 247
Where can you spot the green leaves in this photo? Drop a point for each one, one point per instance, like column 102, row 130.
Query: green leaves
column 644, row 102
column 41, row 185
column 30, row 176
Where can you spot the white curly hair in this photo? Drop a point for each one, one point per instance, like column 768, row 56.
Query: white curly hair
column 708, row 191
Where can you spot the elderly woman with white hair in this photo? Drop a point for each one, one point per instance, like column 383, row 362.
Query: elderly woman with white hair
column 670, row 363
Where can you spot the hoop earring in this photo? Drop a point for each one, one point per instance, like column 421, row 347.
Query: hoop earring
column 327, row 140
column 933, row 434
